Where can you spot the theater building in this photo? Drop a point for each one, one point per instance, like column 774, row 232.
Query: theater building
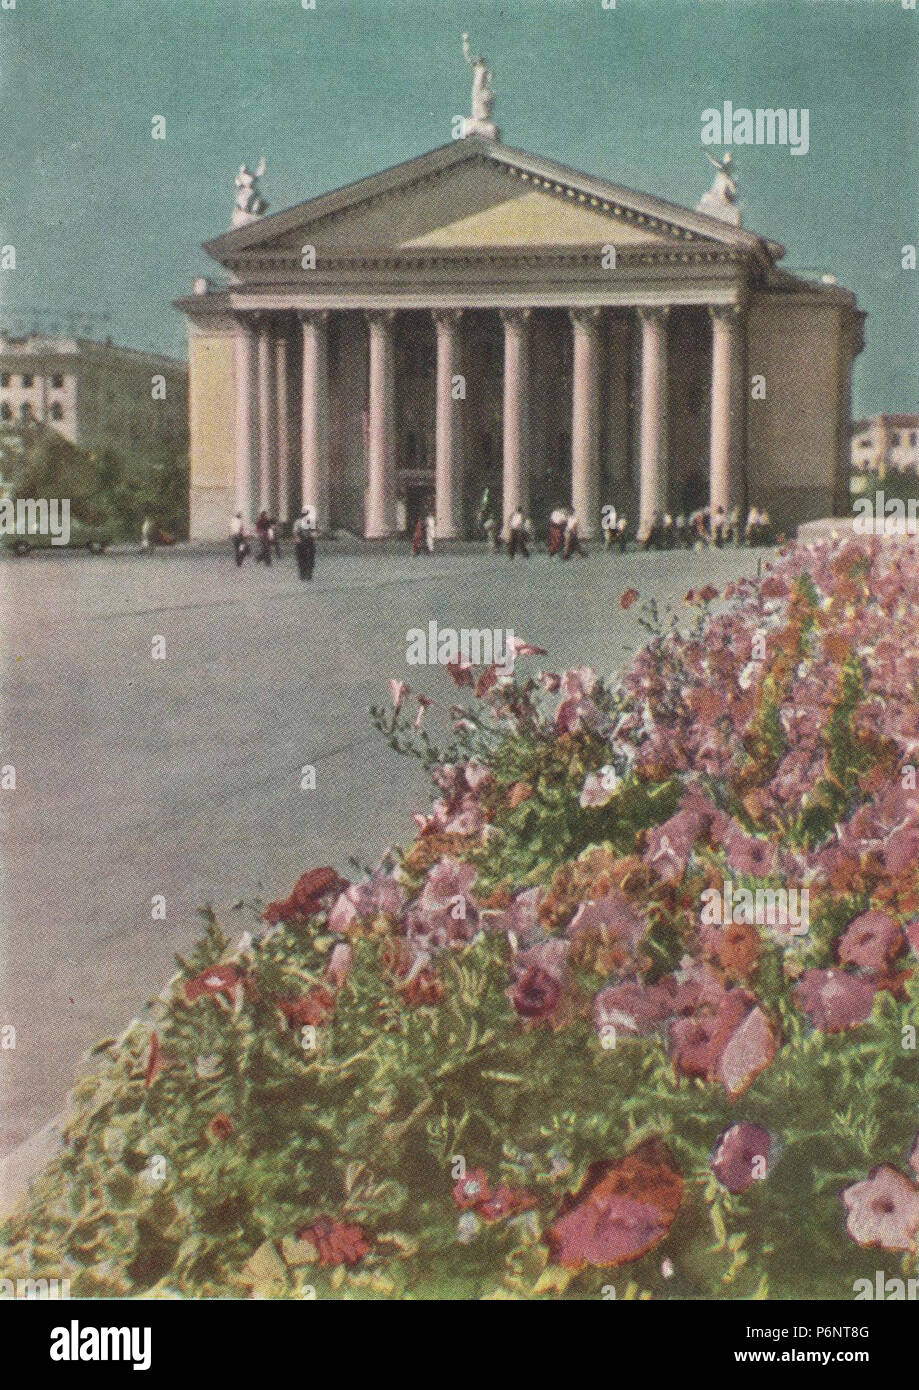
column 479, row 317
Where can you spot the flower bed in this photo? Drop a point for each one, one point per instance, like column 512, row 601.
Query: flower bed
column 531, row 1055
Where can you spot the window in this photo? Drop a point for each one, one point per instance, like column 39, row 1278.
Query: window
column 25, row 411
column 912, row 438
column 57, row 411
column 4, row 378
column 27, row 379
column 6, row 411
column 895, row 438
column 57, row 381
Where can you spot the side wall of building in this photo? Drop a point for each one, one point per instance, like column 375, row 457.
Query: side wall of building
column 212, row 426
column 798, row 455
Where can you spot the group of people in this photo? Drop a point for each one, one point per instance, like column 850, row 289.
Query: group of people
column 705, row 527
column 268, row 539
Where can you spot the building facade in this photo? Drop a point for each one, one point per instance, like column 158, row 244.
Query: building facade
column 97, row 395
column 479, row 317
column 886, row 444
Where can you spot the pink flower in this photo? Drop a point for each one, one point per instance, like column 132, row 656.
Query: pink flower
column 460, row 671
column 341, row 959
column 612, row 917
column 883, row 1210
column 594, row 793
column 424, row 702
column 872, row 941
column 742, row 1150
column 834, row 1000
column 537, row 993
column 526, row 648
column 633, row 1007
column 397, row 693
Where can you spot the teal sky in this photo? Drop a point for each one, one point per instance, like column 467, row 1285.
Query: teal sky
column 105, row 218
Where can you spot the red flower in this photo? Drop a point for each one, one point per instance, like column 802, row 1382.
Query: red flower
column 461, row 672
column 306, row 899
column 337, row 1243
column 219, row 979
column 505, row 1202
column 622, row 1211
column 472, row 1189
column 311, row 1009
column 221, row 1126
column 628, row 598
column 707, row 594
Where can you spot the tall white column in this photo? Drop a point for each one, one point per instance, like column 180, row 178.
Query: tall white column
column 283, row 426
column 381, row 427
column 585, row 442
column 447, row 465
column 314, row 426
column 516, row 482
column 619, row 380
column 653, row 455
column 727, row 411
column 246, row 463
column 267, row 417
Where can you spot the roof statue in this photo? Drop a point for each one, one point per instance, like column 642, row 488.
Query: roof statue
column 721, row 199
column 250, row 205
column 483, row 97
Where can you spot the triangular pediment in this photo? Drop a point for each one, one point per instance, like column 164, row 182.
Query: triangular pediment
column 476, row 194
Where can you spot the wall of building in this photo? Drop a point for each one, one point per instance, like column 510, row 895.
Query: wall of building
column 796, row 455
column 212, row 428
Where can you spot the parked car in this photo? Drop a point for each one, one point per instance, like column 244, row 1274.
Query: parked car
column 95, row 539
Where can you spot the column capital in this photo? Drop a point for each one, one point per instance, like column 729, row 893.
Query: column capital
column 726, row 313
column 382, row 317
column 587, row 319
column 446, row 319
column 245, row 319
column 654, row 313
column 313, row 315
column 515, row 318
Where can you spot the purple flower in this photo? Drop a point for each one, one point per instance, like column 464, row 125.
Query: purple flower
column 612, row 917
column 834, row 1000
column 742, row 1156
column 537, row 993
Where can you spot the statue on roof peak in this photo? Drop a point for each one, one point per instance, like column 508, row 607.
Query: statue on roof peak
column 483, row 97
column 249, row 202
column 722, row 200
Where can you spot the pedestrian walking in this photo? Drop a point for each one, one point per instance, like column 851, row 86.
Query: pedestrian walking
column 274, row 536
column 734, row 525
column 557, row 520
column 305, row 544
column 573, row 544
column 491, row 533
column 679, row 531
column 750, row 530
column 719, row 523
column 621, row 525
column 667, row 532
column 418, row 537
column 146, row 536
column 516, row 534
column 430, row 531
column 239, row 538
column 263, row 532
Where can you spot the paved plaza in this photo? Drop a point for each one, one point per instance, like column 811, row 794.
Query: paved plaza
column 181, row 776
